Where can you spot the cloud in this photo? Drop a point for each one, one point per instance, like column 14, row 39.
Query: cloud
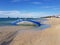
column 36, row 2
column 21, row 14
column 19, row 0
column 47, row 0
column 47, row 7
column 26, row 0
column 57, row 8
column 9, row 13
column 16, row 0
column 50, row 7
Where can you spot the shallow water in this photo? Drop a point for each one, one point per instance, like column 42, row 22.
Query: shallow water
column 42, row 27
column 7, row 22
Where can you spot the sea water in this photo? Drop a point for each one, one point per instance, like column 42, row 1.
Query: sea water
column 8, row 21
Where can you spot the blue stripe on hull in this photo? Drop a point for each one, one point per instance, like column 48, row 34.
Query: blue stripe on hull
column 17, row 21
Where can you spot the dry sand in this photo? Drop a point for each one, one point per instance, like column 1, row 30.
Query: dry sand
column 50, row 36
column 27, row 36
column 8, row 32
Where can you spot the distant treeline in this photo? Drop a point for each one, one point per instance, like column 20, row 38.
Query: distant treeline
column 48, row 17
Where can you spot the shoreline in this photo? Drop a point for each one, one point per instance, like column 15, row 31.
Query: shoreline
column 28, row 36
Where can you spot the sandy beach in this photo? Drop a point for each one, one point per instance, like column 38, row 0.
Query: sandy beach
column 7, row 33
column 29, row 36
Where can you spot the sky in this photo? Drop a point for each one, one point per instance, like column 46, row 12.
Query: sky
column 29, row 8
